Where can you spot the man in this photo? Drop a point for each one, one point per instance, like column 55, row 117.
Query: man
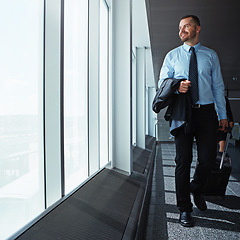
column 199, row 69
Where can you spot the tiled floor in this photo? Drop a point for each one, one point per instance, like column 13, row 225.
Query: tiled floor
column 220, row 221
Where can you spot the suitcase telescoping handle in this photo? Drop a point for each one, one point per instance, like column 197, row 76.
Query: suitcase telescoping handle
column 225, row 147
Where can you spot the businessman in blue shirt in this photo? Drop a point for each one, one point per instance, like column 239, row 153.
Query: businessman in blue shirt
column 208, row 111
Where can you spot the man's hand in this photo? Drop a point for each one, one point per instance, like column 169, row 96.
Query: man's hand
column 184, row 85
column 231, row 124
column 223, row 124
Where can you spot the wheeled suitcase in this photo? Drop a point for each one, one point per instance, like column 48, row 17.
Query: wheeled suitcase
column 218, row 177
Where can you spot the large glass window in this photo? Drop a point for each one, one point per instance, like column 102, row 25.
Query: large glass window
column 75, row 92
column 103, row 83
column 21, row 114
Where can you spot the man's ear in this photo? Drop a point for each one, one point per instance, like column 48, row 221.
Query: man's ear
column 198, row 29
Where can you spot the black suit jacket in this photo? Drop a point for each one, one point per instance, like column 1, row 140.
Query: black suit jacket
column 179, row 105
column 165, row 94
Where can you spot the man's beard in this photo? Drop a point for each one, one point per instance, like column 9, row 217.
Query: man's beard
column 192, row 35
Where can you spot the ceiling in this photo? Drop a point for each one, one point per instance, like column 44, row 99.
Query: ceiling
column 220, row 30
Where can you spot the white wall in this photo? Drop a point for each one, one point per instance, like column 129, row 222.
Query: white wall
column 145, row 75
column 121, row 86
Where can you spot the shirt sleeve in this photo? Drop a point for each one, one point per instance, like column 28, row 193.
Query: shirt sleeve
column 218, row 88
column 167, row 70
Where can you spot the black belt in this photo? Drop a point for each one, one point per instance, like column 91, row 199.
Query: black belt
column 206, row 106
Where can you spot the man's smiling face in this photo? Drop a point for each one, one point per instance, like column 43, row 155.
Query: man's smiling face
column 188, row 30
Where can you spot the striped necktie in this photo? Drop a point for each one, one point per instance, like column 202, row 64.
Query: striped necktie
column 193, row 76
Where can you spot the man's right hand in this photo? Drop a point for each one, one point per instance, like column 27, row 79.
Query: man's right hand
column 184, row 85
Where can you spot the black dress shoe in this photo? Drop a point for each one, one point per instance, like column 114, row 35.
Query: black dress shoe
column 200, row 202
column 186, row 219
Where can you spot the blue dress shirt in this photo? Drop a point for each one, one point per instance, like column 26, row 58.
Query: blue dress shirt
column 210, row 81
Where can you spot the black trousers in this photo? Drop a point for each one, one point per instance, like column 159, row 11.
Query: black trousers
column 205, row 124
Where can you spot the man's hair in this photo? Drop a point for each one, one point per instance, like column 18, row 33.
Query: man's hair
column 195, row 19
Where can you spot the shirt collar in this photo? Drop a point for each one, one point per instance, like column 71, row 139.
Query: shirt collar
column 187, row 47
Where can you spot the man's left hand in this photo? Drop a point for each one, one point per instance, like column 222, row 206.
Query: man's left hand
column 223, row 124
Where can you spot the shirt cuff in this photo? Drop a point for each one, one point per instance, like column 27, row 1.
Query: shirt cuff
column 222, row 116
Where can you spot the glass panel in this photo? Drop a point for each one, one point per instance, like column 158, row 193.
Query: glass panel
column 162, row 128
column 103, row 83
column 134, row 99
column 75, row 92
column 21, row 114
